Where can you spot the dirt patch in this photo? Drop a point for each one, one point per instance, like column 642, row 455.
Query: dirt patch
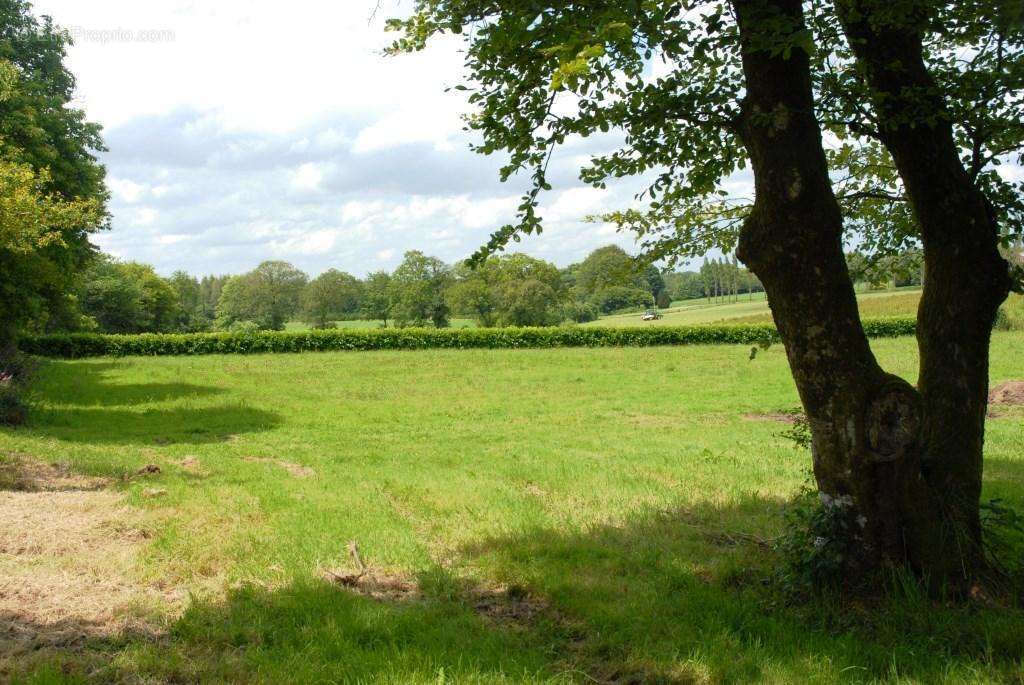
column 777, row 416
column 69, row 564
column 21, row 474
column 190, row 464
column 380, row 586
column 508, row 605
column 297, row 470
column 535, row 490
column 1009, row 393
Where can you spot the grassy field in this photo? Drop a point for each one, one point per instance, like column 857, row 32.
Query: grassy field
column 563, row 515
column 883, row 303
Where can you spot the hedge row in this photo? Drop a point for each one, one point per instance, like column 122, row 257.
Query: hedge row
column 95, row 345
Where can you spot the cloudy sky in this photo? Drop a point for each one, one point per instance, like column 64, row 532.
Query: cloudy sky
column 245, row 130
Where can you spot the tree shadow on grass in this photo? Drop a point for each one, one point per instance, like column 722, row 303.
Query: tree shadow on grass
column 692, row 596
column 87, row 384
column 76, row 402
column 150, row 427
column 307, row 632
column 1006, row 478
column 664, row 597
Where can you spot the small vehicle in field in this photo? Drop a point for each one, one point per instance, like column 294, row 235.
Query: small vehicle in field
column 651, row 315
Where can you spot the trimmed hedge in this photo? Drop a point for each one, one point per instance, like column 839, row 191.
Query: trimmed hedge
column 76, row 345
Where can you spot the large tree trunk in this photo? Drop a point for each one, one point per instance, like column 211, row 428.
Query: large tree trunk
column 866, row 424
column 967, row 277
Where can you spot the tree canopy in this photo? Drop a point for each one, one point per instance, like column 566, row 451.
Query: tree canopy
column 667, row 76
column 51, row 185
column 267, row 296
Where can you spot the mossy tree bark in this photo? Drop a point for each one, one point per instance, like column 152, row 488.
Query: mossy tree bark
column 903, row 465
column 967, row 277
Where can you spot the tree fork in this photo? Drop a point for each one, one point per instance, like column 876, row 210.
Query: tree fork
column 865, row 423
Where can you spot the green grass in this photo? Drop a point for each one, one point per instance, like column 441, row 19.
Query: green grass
column 607, row 485
column 901, row 302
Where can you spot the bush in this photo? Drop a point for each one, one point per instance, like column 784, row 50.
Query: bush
column 14, row 374
column 819, row 548
column 580, row 312
column 243, row 327
column 1010, row 316
column 92, row 344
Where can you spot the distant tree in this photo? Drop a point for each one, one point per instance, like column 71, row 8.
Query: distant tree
column 377, row 297
column 128, row 298
column 684, row 285
column 510, row 290
column 898, row 268
column 420, row 289
column 607, row 267
column 268, row 295
column 621, row 297
column 210, row 288
column 579, row 312
column 530, row 302
column 663, row 300
column 474, row 295
column 331, row 296
column 111, row 300
column 655, row 282
column 192, row 315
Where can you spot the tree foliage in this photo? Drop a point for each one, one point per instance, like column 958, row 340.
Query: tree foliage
column 419, row 291
column 268, row 296
column 128, row 297
column 52, row 186
column 332, row 296
column 667, row 75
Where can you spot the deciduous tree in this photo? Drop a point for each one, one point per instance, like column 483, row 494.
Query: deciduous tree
column 748, row 82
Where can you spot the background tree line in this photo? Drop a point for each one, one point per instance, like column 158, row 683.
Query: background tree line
column 505, row 290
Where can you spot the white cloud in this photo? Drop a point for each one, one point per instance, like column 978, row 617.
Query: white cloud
column 255, row 130
column 308, row 177
column 125, row 190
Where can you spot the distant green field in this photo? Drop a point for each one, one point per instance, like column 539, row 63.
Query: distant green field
column 547, row 516
column 901, row 302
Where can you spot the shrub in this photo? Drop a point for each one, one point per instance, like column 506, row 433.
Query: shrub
column 14, row 373
column 92, row 344
column 1010, row 316
column 243, row 327
column 12, row 409
column 580, row 312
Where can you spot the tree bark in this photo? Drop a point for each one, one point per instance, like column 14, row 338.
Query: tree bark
column 866, row 424
column 967, row 276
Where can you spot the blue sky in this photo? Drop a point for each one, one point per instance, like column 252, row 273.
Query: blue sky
column 246, row 130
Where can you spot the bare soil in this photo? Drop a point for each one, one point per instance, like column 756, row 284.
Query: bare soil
column 1009, row 393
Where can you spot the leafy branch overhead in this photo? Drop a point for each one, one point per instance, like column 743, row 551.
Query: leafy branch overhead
column 661, row 80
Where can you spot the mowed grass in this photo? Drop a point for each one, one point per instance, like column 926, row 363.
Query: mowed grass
column 755, row 309
column 615, row 496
